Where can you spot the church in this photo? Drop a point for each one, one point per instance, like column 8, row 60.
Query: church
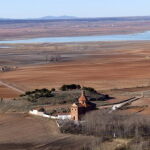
column 81, row 107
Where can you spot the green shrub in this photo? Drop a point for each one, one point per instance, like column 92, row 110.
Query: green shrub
column 90, row 89
column 53, row 89
column 70, row 87
column 32, row 96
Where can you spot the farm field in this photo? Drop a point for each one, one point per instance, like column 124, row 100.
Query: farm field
column 6, row 92
column 102, row 65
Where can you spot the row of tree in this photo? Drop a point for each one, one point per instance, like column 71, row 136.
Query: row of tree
column 110, row 125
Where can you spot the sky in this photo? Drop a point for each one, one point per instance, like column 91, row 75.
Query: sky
column 80, row 8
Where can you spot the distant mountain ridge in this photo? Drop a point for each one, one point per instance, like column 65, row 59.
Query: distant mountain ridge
column 58, row 17
column 44, row 18
column 65, row 17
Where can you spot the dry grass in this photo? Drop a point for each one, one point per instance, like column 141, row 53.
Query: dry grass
column 21, row 131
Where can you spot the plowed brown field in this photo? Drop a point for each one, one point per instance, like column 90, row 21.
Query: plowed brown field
column 109, row 65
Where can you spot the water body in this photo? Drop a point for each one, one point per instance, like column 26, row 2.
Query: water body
column 5, row 47
column 128, row 37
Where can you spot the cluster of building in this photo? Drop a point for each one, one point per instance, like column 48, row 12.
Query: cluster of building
column 7, row 68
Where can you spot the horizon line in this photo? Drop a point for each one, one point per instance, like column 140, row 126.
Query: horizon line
column 74, row 17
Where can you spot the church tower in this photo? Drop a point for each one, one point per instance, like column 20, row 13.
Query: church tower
column 81, row 107
column 75, row 112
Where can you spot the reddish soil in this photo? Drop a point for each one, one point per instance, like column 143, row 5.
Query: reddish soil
column 7, row 92
column 109, row 65
column 142, row 102
column 92, row 73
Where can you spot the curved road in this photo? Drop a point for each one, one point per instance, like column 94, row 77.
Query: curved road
column 11, row 87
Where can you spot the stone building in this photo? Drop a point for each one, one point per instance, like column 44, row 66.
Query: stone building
column 81, row 107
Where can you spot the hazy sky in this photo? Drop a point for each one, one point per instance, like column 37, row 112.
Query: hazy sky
column 80, row 8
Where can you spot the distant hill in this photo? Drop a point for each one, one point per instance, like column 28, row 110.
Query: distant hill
column 57, row 17
column 5, row 19
column 60, row 18
column 44, row 18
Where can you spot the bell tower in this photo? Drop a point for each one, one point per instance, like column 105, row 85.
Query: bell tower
column 75, row 112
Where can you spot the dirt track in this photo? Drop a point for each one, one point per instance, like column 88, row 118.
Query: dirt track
column 11, row 87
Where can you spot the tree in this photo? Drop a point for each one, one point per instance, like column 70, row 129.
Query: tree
column 70, row 87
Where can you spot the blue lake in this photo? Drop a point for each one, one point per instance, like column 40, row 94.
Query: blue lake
column 128, row 37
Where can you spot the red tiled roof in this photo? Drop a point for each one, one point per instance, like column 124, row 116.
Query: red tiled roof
column 83, row 97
